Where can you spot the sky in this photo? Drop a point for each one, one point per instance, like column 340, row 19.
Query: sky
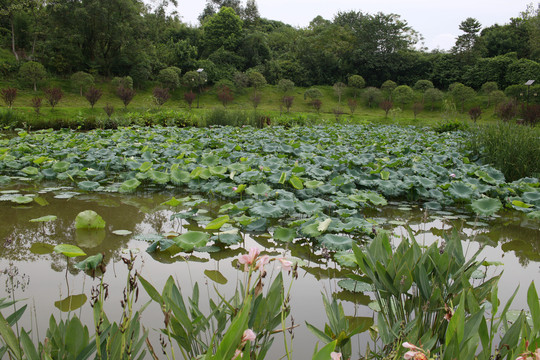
column 437, row 21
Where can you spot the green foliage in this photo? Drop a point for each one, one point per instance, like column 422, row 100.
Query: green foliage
column 285, row 86
column 356, row 82
column 511, row 148
column 372, row 96
column 81, row 81
column 312, row 94
column 423, row 85
column 222, row 29
column 169, row 77
column 387, row 88
column 122, row 82
column 403, row 95
column 461, row 94
column 31, row 73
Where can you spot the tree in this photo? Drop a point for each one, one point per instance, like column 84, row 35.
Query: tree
column 193, row 79
column 488, row 88
column 417, row 108
column 124, row 82
column 288, row 101
column 53, row 95
column 386, row 105
column 125, row 94
column 189, row 97
column 10, row 10
column 387, row 87
column 169, row 77
column 225, row 95
column 523, row 70
column 312, row 93
column 352, row 105
column 82, row 80
column 285, row 86
column 32, row 72
column 9, row 95
column 461, row 94
column 371, row 96
column 36, row 104
column 251, row 15
column 423, row 85
column 316, row 103
column 93, row 95
column 339, row 88
column 467, row 44
column 161, row 95
column 256, row 80
column 223, row 29
column 241, row 80
column 356, row 82
column 475, row 113
column 433, row 96
column 403, row 94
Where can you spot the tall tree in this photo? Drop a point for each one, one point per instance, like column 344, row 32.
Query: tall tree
column 223, row 29
column 467, row 45
column 9, row 9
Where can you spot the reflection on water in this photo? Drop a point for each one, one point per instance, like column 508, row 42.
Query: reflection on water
column 511, row 238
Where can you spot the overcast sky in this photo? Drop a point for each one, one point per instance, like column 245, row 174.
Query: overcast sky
column 437, row 21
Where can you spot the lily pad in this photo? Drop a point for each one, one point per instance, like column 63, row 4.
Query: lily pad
column 90, row 263
column 354, row 286
column 129, row 186
column 22, row 199
column 122, row 232
column 259, row 189
column 486, row 206
column 69, row 250
column 88, row 185
column 217, row 223
column 192, row 239
column 284, row 234
column 336, row 242
column 41, row 248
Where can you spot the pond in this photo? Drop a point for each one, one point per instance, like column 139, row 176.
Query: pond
column 354, row 176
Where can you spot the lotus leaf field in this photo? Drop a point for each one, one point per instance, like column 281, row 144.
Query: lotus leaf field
column 309, row 182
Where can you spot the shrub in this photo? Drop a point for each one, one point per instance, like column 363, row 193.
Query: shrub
column 109, row 110
column 511, row 148
column 316, row 103
column 225, row 95
column 125, row 94
column 461, row 94
column 356, row 82
column 417, row 108
column 93, row 95
column 36, row 104
column 161, row 95
column 241, row 80
column 288, row 101
column 403, row 95
column 530, row 114
column 9, row 95
column 372, row 96
column 224, row 117
column 507, row 110
column 337, row 113
column 448, row 126
column 475, row 113
column 387, row 87
column 169, row 78
column 125, row 82
column 386, row 105
column 352, row 105
column 189, row 97
column 496, row 97
column 81, row 80
column 423, row 85
column 53, row 95
column 433, row 96
column 312, row 93
column 32, row 72
column 285, row 86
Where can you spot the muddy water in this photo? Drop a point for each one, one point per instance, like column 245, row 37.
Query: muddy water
column 41, row 279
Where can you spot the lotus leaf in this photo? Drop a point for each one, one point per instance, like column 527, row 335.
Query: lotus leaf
column 122, row 232
column 90, row 263
column 22, row 199
column 532, row 197
column 296, row 182
column 145, row 166
column 460, row 190
column 159, row 177
column 88, row 185
column 69, row 250
column 355, row 286
column 30, row 170
column 336, row 242
column 129, row 186
column 284, row 234
column 228, row 239
column 41, row 248
column 217, row 223
column 45, row 218
column 267, row 209
column 345, row 258
column 61, row 166
column 174, row 202
column 191, row 239
column 89, row 219
column 259, row 189
column 486, row 206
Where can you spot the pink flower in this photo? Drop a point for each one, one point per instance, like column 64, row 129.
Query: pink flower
column 249, row 335
column 234, row 188
column 248, row 259
column 285, row 264
column 237, row 353
column 335, row 356
column 452, row 175
column 410, row 346
column 263, row 260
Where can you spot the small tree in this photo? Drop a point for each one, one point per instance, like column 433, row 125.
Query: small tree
column 9, row 95
column 288, row 101
column 255, row 100
column 93, row 95
column 109, row 110
column 386, row 105
column 497, row 97
column 317, row 104
column 507, row 110
column 387, row 87
column 256, row 80
column 82, row 80
column 475, row 113
column 461, row 94
column 32, row 72
column 356, row 82
column 36, row 104
column 125, row 94
column 161, row 95
column 225, row 95
column 241, row 80
column 488, row 88
column 372, row 96
column 417, row 108
column 403, row 95
column 312, row 94
column 352, row 105
column 53, row 95
column 423, row 85
column 433, row 96
column 125, row 82
column 169, row 77
column 339, row 88
column 190, row 97
column 285, row 86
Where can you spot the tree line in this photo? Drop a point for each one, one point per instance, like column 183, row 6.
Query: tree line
column 118, row 38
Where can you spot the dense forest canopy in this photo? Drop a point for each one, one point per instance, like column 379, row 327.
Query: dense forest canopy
column 128, row 37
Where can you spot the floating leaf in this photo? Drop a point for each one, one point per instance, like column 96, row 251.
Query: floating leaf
column 174, row 202
column 486, row 206
column 229, row 239
column 345, row 258
column 89, row 219
column 354, row 286
column 122, row 232
column 21, row 199
column 191, row 239
column 284, row 234
column 41, row 248
column 61, row 166
column 336, row 242
column 217, row 223
column 259, row 189
column 71, row 303
column 88, row 185
column 90, row 263
column 215, row 276
column 69, row 250
column 45, row 218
